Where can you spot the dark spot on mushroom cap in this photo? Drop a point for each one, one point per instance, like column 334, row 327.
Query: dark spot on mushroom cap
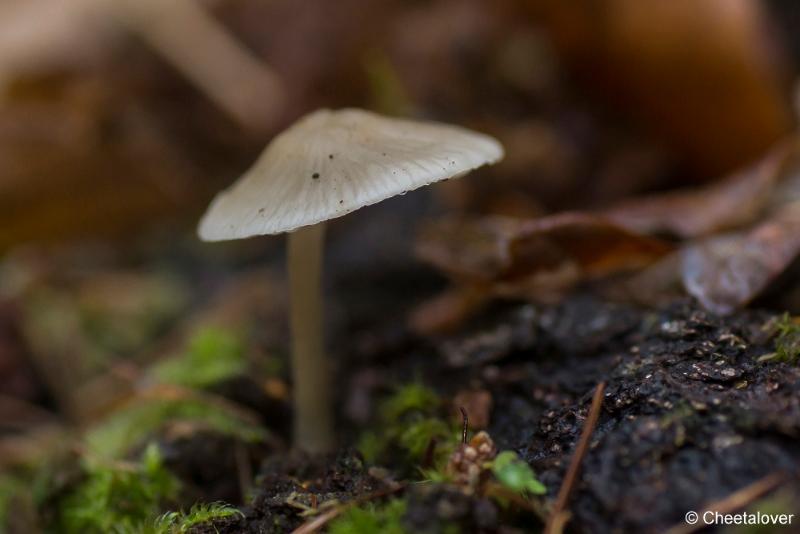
column 330, row 156
column 261, row 210
column 315, row 175
column 383, row 153
column 341, row 202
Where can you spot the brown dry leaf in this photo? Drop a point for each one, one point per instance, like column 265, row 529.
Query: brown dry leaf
column 734, row 201
column 552, row 252
column 726, row 272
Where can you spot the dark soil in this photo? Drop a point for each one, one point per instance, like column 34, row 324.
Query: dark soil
column 293, row 483
column 690, row 415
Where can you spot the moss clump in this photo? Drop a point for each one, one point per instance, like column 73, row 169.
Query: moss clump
column 516, row 475
column 212, row 356
column 409, row 424
column 410, row 398
column 385, row 518
column 418, row 436
column 181, row 522
column 787, row 339
column 117, row 498
column 132, row 425
column 123, row 498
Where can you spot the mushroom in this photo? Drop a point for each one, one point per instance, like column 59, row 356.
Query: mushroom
column 326, row 165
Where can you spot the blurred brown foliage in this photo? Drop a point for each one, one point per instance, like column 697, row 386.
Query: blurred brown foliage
column 101, row 135
column 707, row 77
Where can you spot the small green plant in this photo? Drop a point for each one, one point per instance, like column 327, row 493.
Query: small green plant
column 385, row 518
column 787, row 340
column 117, row 497
column 516, row 475
column 213, row 355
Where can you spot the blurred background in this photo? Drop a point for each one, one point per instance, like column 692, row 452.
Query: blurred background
column 120, row 120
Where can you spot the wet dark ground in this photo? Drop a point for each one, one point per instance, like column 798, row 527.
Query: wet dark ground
column 689, row 416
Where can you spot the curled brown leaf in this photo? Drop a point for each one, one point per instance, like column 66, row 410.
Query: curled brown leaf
column 557, row 250
column 734, row 201
column 727, row 272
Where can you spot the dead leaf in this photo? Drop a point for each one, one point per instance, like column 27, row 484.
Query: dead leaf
column 725, row 273
column 734, row 201
column 563, row 248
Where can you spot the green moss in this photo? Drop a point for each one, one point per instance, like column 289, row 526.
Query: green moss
column 385, row 518
column 409, row 421
column 181, row 522
column 371, row 446
column 116, row 497
column 516, row 475
column 212, row 356
column 417, row 436
column 410, row 398
column 132, row 425
column 125, row 498
column 787, row 340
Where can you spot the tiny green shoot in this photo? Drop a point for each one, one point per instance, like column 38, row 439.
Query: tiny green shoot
column 516, row 475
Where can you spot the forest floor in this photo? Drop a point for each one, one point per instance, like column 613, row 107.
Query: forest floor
column 694, row 411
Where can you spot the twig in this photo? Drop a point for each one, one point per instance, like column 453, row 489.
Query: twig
column 735, row 501
column 323, row 519
column 465, row 426
column 559, row 514
column 207, row 54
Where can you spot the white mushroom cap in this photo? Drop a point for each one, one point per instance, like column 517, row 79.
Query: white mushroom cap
column 330, row 163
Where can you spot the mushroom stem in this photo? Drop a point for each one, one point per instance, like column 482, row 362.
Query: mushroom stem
column 313, row 417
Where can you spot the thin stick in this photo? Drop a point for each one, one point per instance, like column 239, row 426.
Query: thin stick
column 313, row 431
column 735, row 501
column 208, row 55
column 323, row 519
column 465, row 426
column 559, row 515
